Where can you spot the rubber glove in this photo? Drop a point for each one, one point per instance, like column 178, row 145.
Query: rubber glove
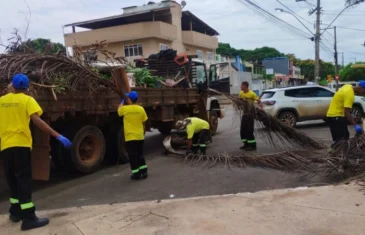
column 122, row 101
column 64, row 141
column 358, row 129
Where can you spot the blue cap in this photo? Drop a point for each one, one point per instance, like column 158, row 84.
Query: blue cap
column 362, row 83
column 20, row 81
column 133, row 95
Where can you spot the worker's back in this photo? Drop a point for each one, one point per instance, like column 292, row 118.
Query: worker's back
column 343, row 98
column 15, row 112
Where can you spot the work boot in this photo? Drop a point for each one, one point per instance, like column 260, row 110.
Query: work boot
column 194, row 149
column 203, row 150
column 243, row 147
column 14, row 218
column 144, row 175
column 136, row 176
column 33, row 222
column 250, row 148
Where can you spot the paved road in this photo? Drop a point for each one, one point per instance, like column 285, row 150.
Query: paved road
column 169, row 175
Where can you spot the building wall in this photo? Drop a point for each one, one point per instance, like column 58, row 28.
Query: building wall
column 192, row 50
column 149, row 46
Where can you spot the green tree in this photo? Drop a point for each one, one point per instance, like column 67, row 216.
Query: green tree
column 352, row 74
column 225, row 49
column 38, row 45
column 307, row 68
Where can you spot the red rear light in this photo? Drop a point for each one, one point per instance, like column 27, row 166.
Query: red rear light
column 270, row 102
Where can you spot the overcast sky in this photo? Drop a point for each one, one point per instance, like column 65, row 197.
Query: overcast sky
column 237, row 24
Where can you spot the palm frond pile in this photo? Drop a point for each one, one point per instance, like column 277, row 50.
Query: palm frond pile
column 286, row 161
column 52, row 71
column 347, row 157
column 275, row 132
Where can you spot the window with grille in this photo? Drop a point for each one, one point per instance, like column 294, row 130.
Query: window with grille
column 133, row 50
column 209, row 56
column 199, row 54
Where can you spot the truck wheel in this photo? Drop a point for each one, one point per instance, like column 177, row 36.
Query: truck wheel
column 213, row 122
column 88, row 149
column 165, row 128
column 116, row 151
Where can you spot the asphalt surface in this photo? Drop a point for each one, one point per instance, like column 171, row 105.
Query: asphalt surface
column 170, row 176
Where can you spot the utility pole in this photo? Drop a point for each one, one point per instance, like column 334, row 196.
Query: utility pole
column 317, row 41
column 336, row 56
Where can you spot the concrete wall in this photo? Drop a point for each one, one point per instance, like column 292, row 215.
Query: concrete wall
column 199, row 39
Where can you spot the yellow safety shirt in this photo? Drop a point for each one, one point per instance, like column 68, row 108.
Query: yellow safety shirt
column 195, row 126
column 15, row 112
column 344, row 98
column 250, row 95
column 134, row 116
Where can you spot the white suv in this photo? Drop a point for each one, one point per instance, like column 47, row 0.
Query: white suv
column 304, row 103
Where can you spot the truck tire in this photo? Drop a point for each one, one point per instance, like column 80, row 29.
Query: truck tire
column 116, row 151
column 213, row 122
column 165, row 128
column 88, row 149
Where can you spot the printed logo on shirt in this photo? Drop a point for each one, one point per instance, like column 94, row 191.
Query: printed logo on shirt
column 10, row 105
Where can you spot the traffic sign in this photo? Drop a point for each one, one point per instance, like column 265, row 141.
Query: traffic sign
column 337, row 77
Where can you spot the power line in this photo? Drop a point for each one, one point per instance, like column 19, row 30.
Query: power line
column 363, row 30
column 279, row 22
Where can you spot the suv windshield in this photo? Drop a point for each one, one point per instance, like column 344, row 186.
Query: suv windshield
column 267, row 95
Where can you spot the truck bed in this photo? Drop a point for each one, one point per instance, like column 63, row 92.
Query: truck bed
column 100, row 103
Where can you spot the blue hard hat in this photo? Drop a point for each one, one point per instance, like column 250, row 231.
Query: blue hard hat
column 20, row 81
column 133, row 95
column 362, row 83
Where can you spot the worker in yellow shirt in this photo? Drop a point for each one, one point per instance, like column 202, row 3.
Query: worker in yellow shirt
column 134, row 119
column 248, row 120
column 16, row 111
column 339, row 112
column 197, row 133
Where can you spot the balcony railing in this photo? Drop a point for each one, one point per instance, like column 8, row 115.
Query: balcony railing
column 123, row 33
column 199, row 39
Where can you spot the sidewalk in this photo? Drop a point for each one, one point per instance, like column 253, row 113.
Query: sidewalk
column 330, row 210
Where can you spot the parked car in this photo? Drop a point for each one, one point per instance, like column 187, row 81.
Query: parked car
column 304, row 103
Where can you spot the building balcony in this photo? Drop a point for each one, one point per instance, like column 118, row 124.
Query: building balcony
column 200, row 40
column 120, row 33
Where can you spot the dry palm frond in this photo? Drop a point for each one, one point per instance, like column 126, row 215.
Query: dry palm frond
column 287, row 161
column 346, row 157
column 274, row 131
column 52, row 70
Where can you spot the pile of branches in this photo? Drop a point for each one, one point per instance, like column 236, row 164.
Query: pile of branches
column 275, row 132
column 52, row 71
column 347, row 157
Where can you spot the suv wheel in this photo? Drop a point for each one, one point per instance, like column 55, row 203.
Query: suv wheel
column 288, row 118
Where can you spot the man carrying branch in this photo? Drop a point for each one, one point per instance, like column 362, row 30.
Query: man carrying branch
column 339, row 112
column 248, row 118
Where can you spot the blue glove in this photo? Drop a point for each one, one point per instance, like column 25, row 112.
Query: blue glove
column 122, row 101
column 64, row 141
column 358, row 129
